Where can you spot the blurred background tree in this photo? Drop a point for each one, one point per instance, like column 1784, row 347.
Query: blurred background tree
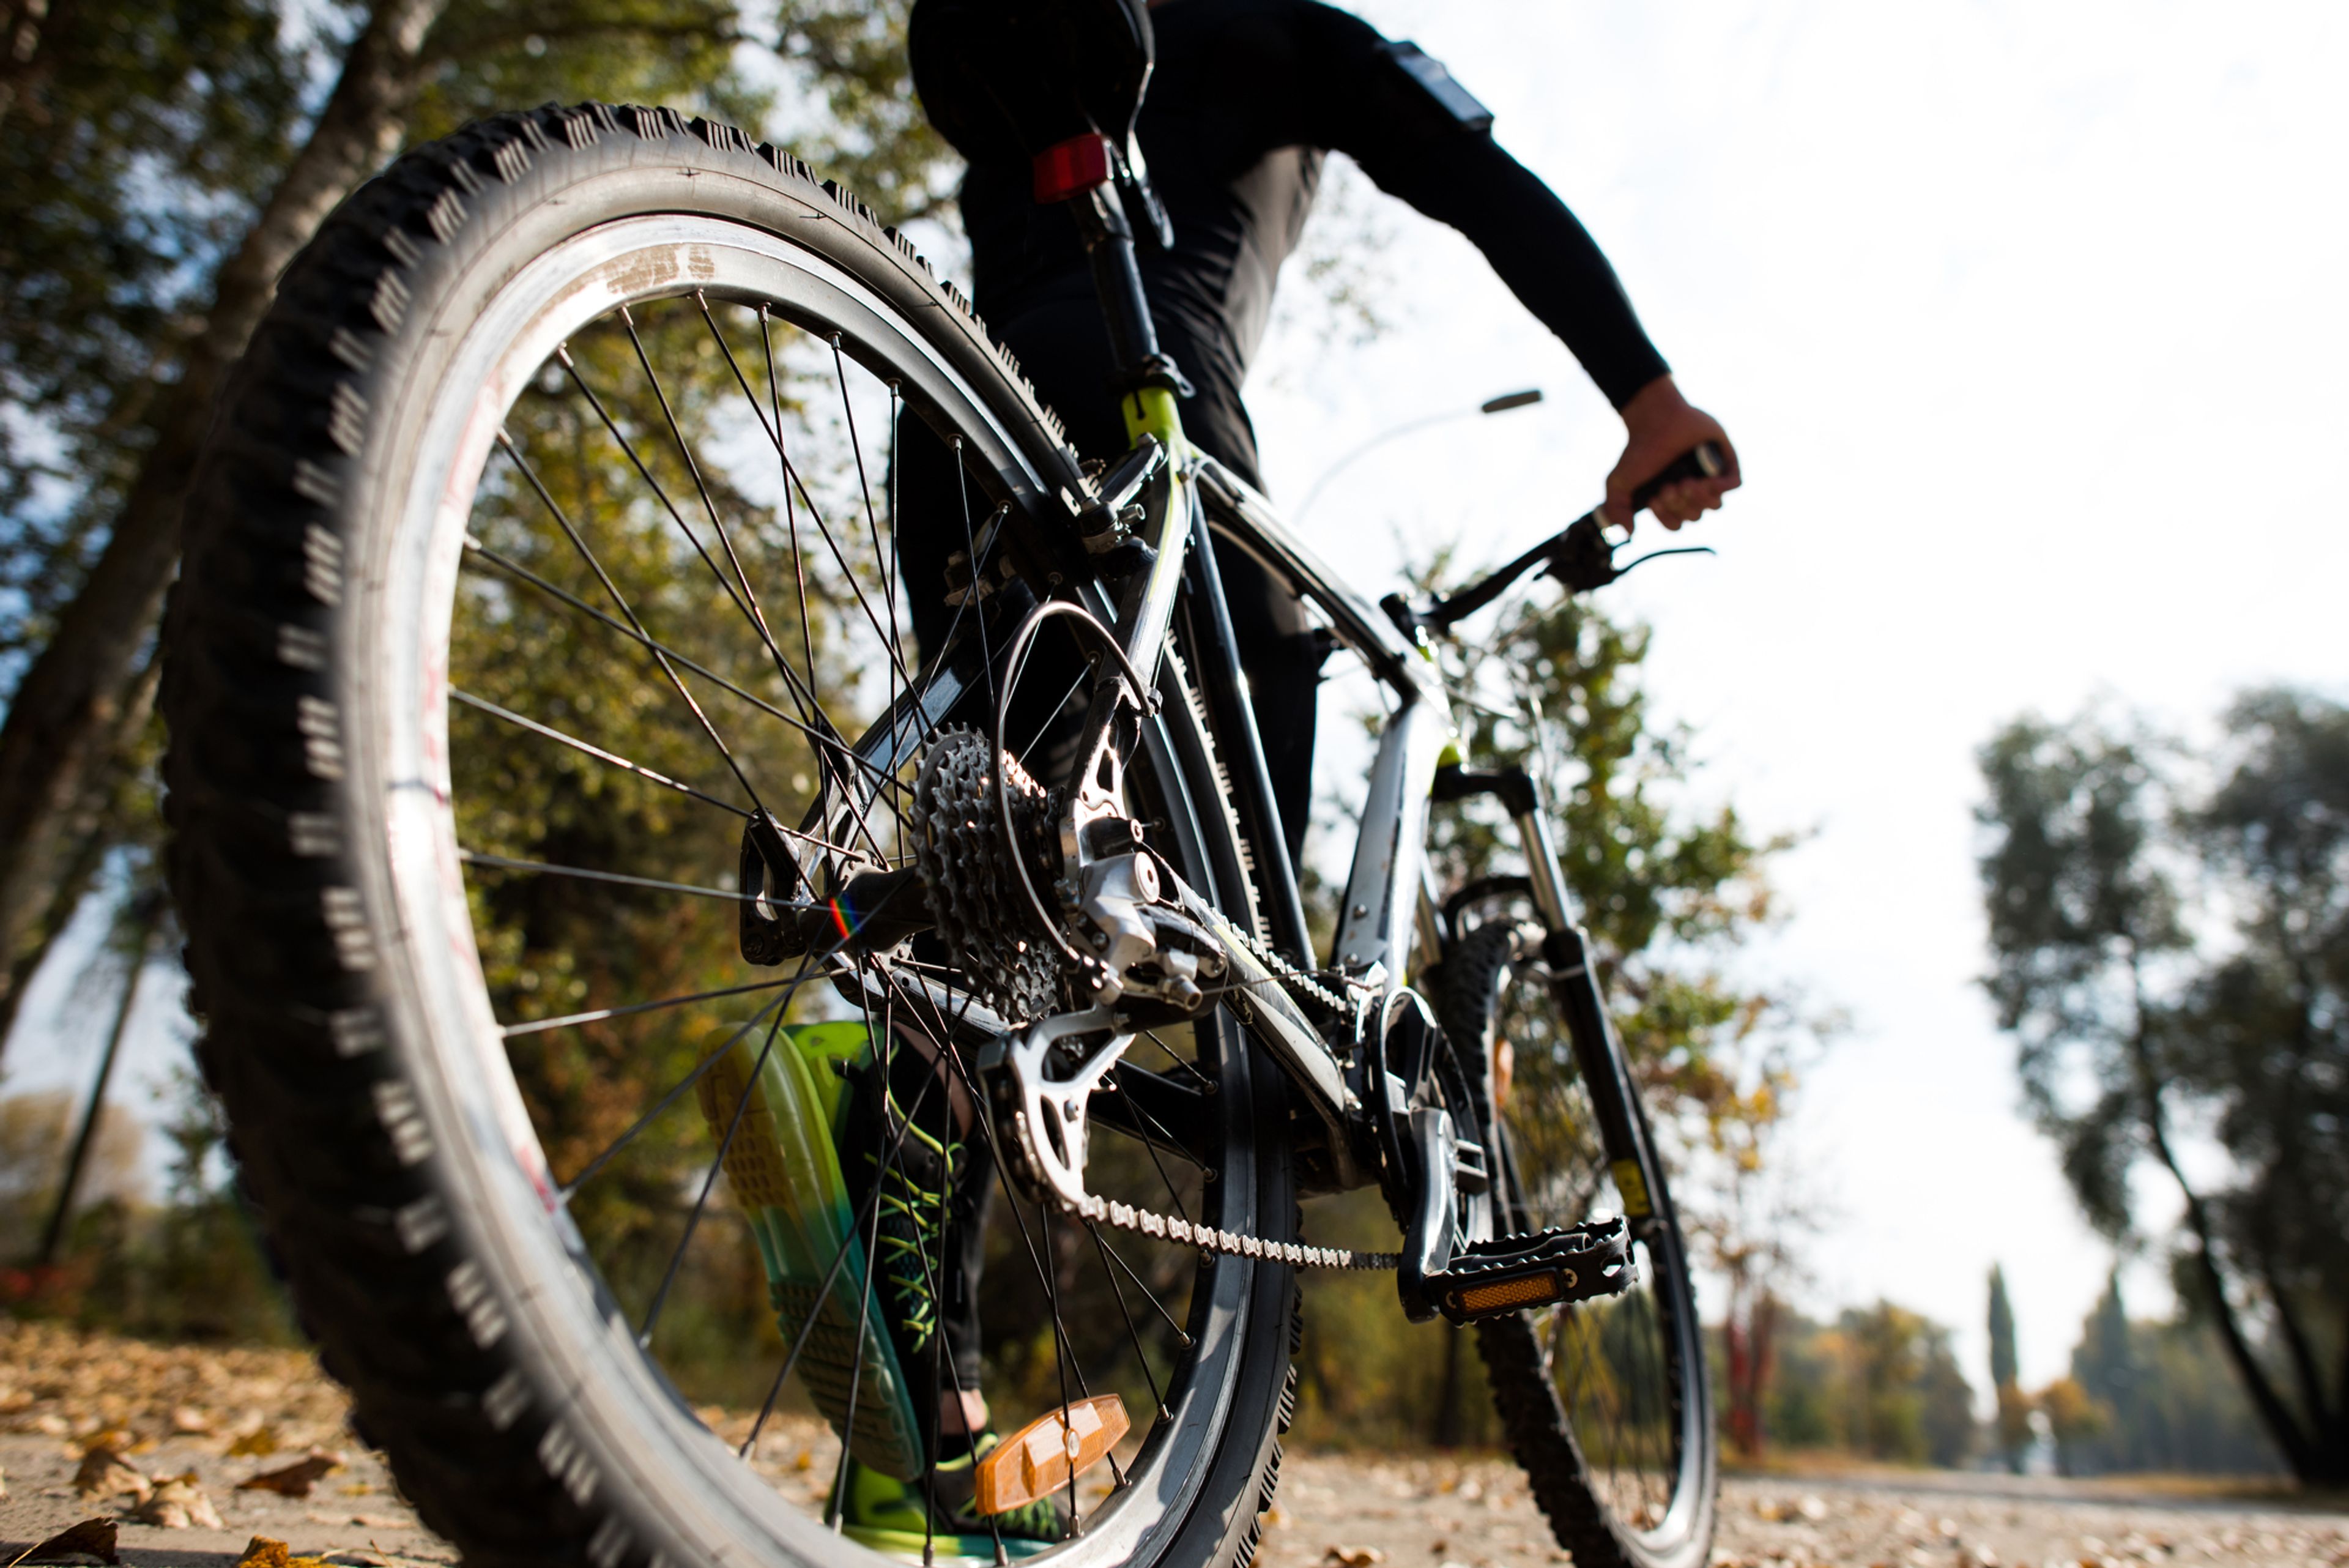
column 2168, row 1400
column 1879, row 1381
column 2172, row 948
column 2013, row 1415
column 1669, row 896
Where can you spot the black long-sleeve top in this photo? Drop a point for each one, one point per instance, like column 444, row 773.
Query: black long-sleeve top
column 1247, row 97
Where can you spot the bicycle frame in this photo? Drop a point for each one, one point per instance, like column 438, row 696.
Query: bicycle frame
column 1390, row 916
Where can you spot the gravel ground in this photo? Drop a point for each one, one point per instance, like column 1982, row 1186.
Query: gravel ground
column 190, row 1426
column 1343, row 1511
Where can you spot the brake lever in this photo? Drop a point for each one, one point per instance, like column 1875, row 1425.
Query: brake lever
column 1581, row 558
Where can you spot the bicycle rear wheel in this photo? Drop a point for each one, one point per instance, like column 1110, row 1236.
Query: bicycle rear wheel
column 551, row 536
column 1605, row 1403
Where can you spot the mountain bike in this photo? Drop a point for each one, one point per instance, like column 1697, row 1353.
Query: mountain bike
column 566, row 807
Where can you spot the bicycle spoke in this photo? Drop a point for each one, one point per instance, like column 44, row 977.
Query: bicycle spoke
column 505, row 863
column 506, row 442
column 667, row 657
column 598, row 752
column 758, row 623
column 792, row 480
column 601, row 1015
column 749, row 599
column 790, row 514
column 838, row 1511
column 708, row 1184
column 1108, row 1255
column 612, row 1150
column 864, row 489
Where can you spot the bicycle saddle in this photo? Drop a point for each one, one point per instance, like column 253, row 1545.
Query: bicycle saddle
column 1004, row 79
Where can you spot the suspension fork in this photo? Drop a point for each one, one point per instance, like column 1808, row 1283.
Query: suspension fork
column 1566, row 950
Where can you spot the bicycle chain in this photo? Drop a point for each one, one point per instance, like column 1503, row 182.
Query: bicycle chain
column 1096, row 1210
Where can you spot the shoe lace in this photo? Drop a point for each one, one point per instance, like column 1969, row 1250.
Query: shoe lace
column 913, row 1220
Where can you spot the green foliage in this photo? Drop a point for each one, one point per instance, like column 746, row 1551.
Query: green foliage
column 2001, row 1331
column 2168, row 1400
column 190, row 1267
column 2014, row 1420
column 850, row 55
column 2134, row 1022
column 1879, row 1382
column 1666, row 896
column 151, row 136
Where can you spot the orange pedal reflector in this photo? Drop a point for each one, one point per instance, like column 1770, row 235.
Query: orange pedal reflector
column 1048, row 1453
column 1527, row 1290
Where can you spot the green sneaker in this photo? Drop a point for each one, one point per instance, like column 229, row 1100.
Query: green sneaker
column 784, row 1167
column 887, row 1515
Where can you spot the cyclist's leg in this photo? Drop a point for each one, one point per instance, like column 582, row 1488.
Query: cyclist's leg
column 1064, row 348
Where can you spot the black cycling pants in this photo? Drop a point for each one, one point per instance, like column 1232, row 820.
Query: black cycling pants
column 1064, row 348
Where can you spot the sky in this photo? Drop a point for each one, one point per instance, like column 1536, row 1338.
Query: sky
column 2027, row 321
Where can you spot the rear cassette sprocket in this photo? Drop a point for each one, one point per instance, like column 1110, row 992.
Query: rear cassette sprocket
column 984, row 915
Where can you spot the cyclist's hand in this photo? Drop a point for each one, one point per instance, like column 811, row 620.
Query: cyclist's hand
column 1662, row 425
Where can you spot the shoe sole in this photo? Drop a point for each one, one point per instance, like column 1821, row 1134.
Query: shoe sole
column 785, row 1173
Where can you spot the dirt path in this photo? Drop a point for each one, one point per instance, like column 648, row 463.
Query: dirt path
column 213, row 1419
column 1444, row 1513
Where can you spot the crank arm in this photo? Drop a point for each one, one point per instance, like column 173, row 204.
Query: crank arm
column 1046, row 1114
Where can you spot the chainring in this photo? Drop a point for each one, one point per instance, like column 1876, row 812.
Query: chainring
column 983, row 914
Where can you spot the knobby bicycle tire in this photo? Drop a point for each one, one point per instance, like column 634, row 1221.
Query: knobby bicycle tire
column 485, row 1372
column 1591, row 1518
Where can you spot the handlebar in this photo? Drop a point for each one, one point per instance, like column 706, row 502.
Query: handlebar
column 1578, row 557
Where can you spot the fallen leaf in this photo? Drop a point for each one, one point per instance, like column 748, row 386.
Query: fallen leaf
column 90, row 1538
column 262, row 1551
column 188, row 1420
column 178, row 1503
column 1354, row 1556
column 258, row 1443
column 104, row 1473
column 296, row 1479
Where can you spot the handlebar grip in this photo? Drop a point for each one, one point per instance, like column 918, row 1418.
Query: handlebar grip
column 1703, row 461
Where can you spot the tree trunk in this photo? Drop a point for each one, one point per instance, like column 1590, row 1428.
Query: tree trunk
column 56, row 742
column 2303, row 1455
column 92, row 828
column 24, row 26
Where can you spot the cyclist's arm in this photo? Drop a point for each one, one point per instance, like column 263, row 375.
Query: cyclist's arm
column 1356, row 97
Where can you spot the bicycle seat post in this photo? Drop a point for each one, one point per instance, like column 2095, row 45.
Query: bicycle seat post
column 1084, row 173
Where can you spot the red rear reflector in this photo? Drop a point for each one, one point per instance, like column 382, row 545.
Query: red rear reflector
column 1072, row 167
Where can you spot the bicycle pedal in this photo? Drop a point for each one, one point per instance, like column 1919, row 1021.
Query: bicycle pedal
column 1513, row 1274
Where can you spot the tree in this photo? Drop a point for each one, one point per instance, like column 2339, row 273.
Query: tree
column 2013, row 1410
column 2074, row 1417
column 166, row 167
column 2170, row 1403
column 2133, row 1023
column 1881, row 1381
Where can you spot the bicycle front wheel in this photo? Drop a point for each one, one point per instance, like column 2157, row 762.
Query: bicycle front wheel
column 559, row 645
column 1605, row 1402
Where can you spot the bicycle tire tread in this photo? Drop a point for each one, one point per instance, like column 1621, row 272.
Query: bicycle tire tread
column 1540, row 1438
column 367, row 1235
